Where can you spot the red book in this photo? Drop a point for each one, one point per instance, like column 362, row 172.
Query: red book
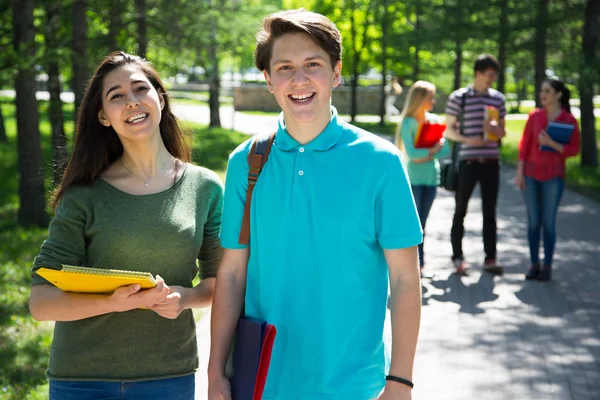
column 429, row 134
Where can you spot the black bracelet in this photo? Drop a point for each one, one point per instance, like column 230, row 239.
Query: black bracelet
column 399, row 380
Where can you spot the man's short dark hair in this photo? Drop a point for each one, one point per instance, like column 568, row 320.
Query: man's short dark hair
column 485, row 62
column 321, row 30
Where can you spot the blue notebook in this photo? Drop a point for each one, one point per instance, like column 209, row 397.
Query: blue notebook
column 560, row 133
column 254, row 340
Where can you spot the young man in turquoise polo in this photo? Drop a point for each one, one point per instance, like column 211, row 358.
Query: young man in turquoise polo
column 332, row 218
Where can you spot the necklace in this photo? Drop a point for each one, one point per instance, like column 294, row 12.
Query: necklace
column 146, row 181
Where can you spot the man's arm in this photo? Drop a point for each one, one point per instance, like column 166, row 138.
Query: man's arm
column 455, row 135
column 405, row 307
column 227, row 307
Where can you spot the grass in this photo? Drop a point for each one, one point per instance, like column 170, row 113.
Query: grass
column 25, row 343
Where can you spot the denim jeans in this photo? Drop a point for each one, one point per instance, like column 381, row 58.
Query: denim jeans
column 424, row 196
column 181, row 388
column 541, row 200
column 488, row 175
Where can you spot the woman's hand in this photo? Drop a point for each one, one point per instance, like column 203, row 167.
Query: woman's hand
column 544, row 139
column 130, row 297
column 172, row 306
column 520, row 180
column 437, row 147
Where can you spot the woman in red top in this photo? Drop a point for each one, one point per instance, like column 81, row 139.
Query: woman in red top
column 541, row 173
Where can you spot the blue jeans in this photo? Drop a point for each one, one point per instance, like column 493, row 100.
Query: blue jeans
column 542, row 199
column 181, row 388
column 424, row 196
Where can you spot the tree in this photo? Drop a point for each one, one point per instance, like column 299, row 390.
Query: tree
column 384, row 60
column 540, row 47
column 589, row 76
column 31, row 180
column 502, row 43
column 140, row 7
column 357, row 47
column 115, row 24
column 59, row 140
column 79, row 60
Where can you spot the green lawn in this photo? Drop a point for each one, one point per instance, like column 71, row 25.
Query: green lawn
column 25, row 343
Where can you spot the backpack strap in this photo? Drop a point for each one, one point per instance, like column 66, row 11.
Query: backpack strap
column 257, row 158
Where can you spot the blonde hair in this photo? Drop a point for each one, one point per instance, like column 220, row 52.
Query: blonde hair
column 416, row 96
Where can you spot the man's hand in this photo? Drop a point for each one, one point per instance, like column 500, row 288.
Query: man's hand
column 395, row 391
column 219, row 389
column 172, row 306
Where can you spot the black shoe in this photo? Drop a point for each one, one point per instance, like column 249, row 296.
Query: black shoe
column 545, row 274
column 533, row 272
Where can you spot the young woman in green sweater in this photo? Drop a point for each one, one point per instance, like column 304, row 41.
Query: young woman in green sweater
column 422, row 163
column 129, row 200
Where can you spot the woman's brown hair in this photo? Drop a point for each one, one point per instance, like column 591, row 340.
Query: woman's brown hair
column 97, row 146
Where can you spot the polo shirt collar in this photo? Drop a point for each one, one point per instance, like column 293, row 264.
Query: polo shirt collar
column 471, row 91
column 324, row 141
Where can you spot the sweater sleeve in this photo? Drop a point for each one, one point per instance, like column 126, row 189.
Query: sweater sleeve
column 525, row 144
column 408, row 131
column 66, row 243
column 572, row 148
column 211, row 250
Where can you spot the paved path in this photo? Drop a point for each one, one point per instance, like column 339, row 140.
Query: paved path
column 485, row 337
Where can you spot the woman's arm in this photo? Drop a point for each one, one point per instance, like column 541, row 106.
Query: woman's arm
column 48, row 303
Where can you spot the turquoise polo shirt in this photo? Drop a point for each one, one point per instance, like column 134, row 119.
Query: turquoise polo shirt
column 321, row 215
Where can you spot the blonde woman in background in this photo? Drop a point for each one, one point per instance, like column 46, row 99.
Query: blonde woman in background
column 423, row 165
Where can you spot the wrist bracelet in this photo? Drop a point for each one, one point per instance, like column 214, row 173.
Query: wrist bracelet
column 399, row 380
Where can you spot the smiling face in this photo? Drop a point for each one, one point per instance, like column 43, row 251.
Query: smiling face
column 302, row 79
column 548, row 95
column 130, row 104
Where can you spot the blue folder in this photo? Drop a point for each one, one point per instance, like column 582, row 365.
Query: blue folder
column 560, row 133
column 254, row 340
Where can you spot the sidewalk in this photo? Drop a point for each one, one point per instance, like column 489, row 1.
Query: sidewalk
column 488, row 338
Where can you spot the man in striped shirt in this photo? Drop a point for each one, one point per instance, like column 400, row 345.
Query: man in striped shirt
column 478, row 157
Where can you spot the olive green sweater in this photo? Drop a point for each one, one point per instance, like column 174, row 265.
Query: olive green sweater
column 164, row 233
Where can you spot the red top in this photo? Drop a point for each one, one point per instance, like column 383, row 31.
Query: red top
column 545, row 165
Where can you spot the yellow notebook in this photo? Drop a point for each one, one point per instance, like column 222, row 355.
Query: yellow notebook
column 491, row 114
column 94, row 280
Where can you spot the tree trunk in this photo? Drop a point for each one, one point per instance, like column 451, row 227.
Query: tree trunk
column 59, row 140
column 214, row 80
column 540, row 47
column 589, row 149
column 115, row 25
column 384, row 22
column 79, row 61
column 140, row 8
column 417, row 61
column 502, row 41
column 3, row 137
column 457, row 65
column 355, row 58
column 31, row 180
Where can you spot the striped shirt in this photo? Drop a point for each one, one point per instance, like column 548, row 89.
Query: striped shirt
column 474, row 109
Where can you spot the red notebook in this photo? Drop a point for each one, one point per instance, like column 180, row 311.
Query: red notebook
column 252, row 350
column 428, row 135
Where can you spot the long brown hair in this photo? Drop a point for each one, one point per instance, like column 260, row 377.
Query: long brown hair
column 97, row 146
